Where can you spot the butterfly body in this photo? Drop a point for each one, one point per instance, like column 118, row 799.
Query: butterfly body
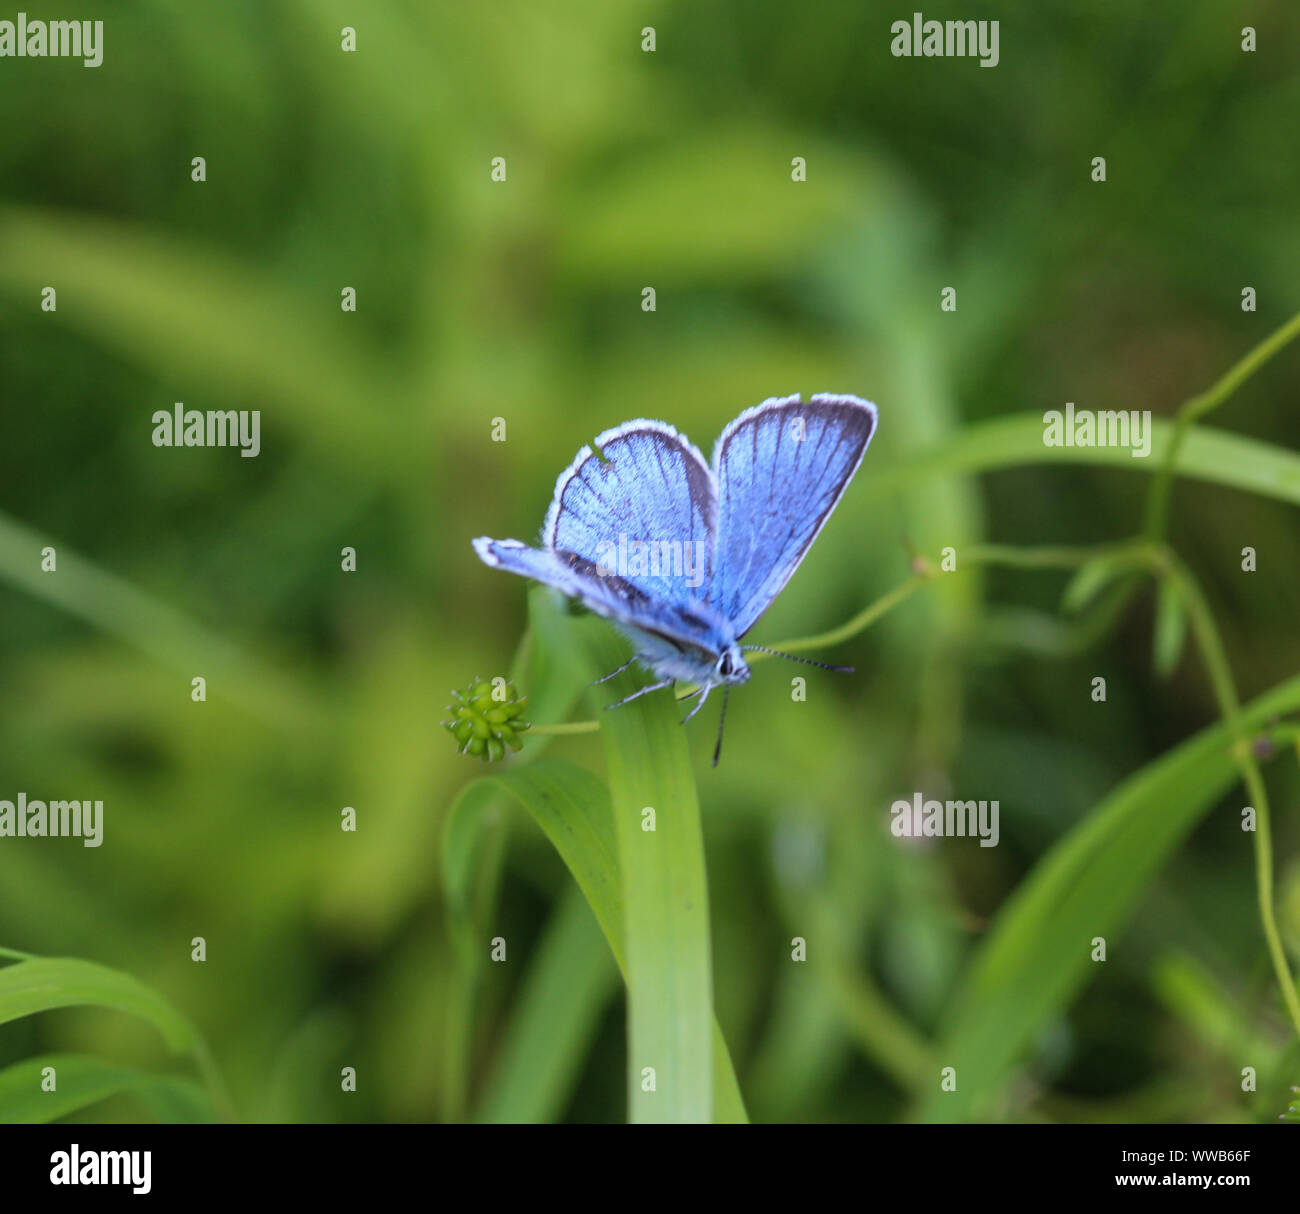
column 684, row 555
column 668, row 660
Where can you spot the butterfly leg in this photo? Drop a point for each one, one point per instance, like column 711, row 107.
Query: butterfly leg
column 704, row 688
column 612, row 673
column 636, row 695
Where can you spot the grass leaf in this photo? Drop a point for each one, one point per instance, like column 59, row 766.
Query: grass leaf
column 665, row 894
column 1170, row 628
column 572, row 808
column 40, row 984
column 82, row 1081
column 567, row 987
column 1036, row 957
column 1015, row 441
column 1087, row 584
column 45, row 983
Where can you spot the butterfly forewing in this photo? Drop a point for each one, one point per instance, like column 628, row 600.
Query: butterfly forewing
column 780, row 467
column 642, row 506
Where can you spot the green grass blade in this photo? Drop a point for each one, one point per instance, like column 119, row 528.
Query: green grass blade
column 544, row 670
column 1170, row 629
column 41, row 984
column 572, row 808
column 119, row 609
column 665, row 895
column 1037, row 955
column 179, row 1101
column 568, row 986
column 82, row 1081
column 45, row 983
column 1208, row 455
column 242, row 334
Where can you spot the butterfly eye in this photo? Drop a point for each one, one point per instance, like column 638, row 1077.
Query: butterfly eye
column 724, row 666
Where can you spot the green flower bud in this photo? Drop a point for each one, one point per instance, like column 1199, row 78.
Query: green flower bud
column 486, row 719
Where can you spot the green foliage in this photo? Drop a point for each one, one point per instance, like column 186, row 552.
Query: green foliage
column 83, row 1082
column 41, row 984
column 573, row 810
column 522, row 301
column 1040, row 949
column 656, row 818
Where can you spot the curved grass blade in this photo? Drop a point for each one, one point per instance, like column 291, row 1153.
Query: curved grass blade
column 1170, row 629
column 242, row 334
column 1036, row 957
column 567, row 988
column 119, row 609
column 572, row 808
column 82, row 1081
column 544, row 668
column 42, row 984
column 1208, row 455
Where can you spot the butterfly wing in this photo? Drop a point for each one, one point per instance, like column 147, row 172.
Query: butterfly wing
column 780, row 467
column 643, row 505
column 690, row 629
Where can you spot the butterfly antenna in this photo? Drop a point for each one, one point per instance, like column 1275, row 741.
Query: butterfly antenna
column 722, row 716
column 789, row 657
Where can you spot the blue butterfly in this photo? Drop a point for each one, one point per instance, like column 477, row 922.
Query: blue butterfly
column 684, row 557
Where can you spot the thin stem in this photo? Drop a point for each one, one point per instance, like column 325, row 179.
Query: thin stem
column 1211, row 644
column 859, row 623
column 565, row 727
column 973, row 557
column 1207, row 635
column 1157, row 514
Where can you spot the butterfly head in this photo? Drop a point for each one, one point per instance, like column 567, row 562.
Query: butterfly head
column 731, row 666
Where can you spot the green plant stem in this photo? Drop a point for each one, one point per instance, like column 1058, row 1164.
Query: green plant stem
column 567, row 727
column 967, row 558
column 1225, row 691
column 1157, row 522
column 859, row 623
column 884, row 1035
column 1157, row 516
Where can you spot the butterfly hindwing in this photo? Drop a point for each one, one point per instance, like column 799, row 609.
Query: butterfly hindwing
column 642, row 504
column 780, row 468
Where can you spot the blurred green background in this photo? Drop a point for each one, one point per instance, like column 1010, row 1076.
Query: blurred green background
column 522, row 300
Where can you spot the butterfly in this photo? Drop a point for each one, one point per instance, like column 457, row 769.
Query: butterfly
column 684, row 556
